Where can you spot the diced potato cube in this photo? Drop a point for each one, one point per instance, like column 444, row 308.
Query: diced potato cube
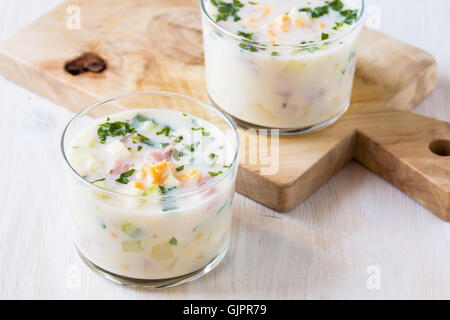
column 118, row 149
column 93, row 165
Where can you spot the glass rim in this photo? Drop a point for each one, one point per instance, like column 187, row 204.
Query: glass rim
column 259, row 44
column 181, row 194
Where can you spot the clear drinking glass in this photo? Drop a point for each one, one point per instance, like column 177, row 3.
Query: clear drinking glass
column 295, row 88
column 201, row 222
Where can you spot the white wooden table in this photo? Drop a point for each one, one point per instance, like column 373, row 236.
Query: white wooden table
column 324, row 248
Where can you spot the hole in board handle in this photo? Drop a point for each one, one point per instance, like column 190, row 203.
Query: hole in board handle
column 440, row 147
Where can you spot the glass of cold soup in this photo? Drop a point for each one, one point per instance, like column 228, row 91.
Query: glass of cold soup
column 286, row 64
column 151, row 180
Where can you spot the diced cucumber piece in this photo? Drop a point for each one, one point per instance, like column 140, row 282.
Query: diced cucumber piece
column 152, row 191
column 130, row 229
column 132, row 246
column 162, row 251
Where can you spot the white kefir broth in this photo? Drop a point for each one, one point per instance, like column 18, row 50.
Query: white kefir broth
column 137, row 233
column 296, row 79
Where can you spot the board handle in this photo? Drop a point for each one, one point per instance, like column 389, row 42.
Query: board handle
column 410, row 151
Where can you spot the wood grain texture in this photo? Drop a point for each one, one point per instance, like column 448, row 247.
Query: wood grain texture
column 158, row 45
column 319, row 250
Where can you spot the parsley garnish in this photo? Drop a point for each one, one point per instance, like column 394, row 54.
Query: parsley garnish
column 164, row 190
column 165, row 131
column 337, row 5
column 113, row 129
column 191, row 147
column 248, row 47
column 316, row 12
column 325, row 36
column 173, row 241
column 141, row 138
column 123, row 179
column 163, row 145
column 179, row 139
column 227, row 9
column 204, row 132
column 139, row 148
column 248, row 36
column 338, row 25
column 180, row 168
column 98, row 180
column 215, row 174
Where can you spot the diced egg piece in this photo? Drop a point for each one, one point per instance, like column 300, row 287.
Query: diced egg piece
column 118, row 149
column 171, row 182
column 301, row 19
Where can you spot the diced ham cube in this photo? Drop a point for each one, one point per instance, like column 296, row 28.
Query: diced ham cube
column 153, row 157
column 120, row 166
column 167, row 152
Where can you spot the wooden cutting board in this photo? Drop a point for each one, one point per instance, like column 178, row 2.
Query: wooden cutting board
column 158, row 45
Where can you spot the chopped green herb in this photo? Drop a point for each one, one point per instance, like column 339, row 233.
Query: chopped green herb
column 248, row 47
column 98, row 180
column 173, row 241
column 180, row 168
column 213, row 156
column 336, row 5
column 316, row 12
column 227, row 9
column 166, row 131
column 163, row 145
column 113, row 129
column 204, row 132
column 325, row 36
column 284, row 105
column 253, row 2
column 275, row 54
column 350, row 15
column 248, row 36
column 139, row 148
column 141, row 138
column 184, row 114
column 191, row 147
column 123, row 179
column 215, row 174
column 338, row 25
column 179, row 139
column 165, row 190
